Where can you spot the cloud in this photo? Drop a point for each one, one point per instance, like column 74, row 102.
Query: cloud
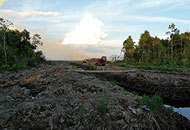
column 145, row 18
column 87, row 32
column 25, row 14
column 2, row 2
column 158, row 19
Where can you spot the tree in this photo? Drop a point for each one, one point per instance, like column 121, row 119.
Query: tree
column 156, row 50
column 145, row 43
column 36, row 40
column 186, row 48
column 173, row 31
column 165, row 44
column 4, row 25
column 153, row 50
column 18, row 47
column 128, row 48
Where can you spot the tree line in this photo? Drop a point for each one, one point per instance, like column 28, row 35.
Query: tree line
column 175, row 50
column 18, row 47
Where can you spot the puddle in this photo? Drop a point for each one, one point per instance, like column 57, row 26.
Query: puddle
column 183, row 111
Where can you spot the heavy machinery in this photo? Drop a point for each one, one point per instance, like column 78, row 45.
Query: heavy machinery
column 93, row 63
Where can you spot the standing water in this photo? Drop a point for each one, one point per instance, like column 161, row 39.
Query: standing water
column 185, row 111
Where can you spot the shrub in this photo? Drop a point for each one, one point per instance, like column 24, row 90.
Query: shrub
column 81, row 113
column 153, row 103
column 114, row 82
column 90, row 119
column 102, row 107
column 74, row 64
column 123, row 65
column 14, row 67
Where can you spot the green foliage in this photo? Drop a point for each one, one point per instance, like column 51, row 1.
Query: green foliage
column 102, row 107
column 39, row 57
column 74, row 64
column 90, row 119
column 114, row 82
column 83, row 116
column 81, row 113
column 162, row 54
column 123, row 65
column 18, row 47
column 164, row 67
column 14, row 67
column 128, row 49
column 153, row 103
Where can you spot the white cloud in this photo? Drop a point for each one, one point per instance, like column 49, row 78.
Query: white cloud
column 143, row 4
column 153, row 19
column 158, row 19
column 87, row 32
column 25, row 14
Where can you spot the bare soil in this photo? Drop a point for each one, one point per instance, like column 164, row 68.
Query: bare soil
column 57, row 97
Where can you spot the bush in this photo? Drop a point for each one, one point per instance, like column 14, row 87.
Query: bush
column 4, row 68
column 153, row 103
column 102, row 107
column 123, row 65
column 114, row 82
column 81, row 113
column 14, row 67
column 39, row 57
column 74, row 64
column 161, row 67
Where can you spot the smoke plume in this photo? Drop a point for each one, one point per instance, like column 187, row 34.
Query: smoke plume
column 89, row 32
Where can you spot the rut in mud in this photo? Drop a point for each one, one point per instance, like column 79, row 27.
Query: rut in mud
column 173, row 87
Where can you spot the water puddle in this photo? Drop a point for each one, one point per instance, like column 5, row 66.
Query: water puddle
column 183, row 111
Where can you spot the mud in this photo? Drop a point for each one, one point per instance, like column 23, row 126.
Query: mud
column 173, row 87
column 54, row 97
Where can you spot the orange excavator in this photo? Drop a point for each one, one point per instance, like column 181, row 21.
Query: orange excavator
column 97, row 61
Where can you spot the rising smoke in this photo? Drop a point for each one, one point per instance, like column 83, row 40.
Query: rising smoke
column 57, row 51
column 89, row 32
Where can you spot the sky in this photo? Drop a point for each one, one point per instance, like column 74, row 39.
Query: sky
column 78, row 29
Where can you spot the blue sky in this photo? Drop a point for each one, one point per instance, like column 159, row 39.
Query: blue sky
column 56, row 19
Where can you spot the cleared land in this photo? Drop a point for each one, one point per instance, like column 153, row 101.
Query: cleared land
column 58, row 97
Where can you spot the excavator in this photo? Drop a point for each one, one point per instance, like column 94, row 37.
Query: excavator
column 94, row 62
